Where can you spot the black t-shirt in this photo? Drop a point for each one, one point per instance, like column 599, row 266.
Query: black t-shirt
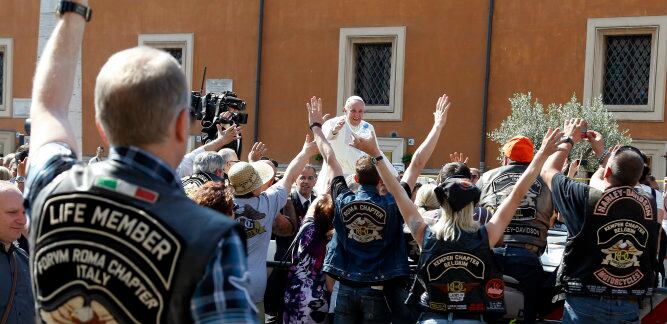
column 570, row 198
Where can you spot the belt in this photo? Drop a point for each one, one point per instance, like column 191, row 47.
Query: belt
column 631, row 299
column 529, row 247
column 372, row 285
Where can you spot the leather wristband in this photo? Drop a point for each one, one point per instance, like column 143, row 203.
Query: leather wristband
column 375, row 160
column 315, row 125
column 69, row 6
column 604, row 156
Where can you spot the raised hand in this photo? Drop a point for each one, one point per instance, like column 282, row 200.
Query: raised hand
column 441, row 110
column 550, row 142
column 309, row 146
column 458, row 157
column 258, row 150
column 338, row 126
column 367, row 145
column 315, row 111
column 573, row 128
column 229, row 134
column 597, row 142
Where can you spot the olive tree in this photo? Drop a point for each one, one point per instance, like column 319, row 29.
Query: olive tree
column 530, row 118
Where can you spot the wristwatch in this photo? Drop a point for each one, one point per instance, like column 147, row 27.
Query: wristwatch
column 567, row 139
column 375, row 160
column 19, row 179
column 69, row 6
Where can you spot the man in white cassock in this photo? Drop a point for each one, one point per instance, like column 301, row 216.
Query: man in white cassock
column 338, row 131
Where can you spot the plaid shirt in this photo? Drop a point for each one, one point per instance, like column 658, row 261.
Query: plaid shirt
column 221, row 295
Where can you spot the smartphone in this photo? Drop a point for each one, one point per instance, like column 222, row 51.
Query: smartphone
column 584, row 133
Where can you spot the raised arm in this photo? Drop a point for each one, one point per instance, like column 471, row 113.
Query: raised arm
column 554, row 163
column 296, row 165
column 315, row 117
column 503, row 215
column 54, row 83
column 408, row 209
column 424, row 151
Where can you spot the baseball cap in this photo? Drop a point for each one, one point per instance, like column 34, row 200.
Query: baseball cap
column 519, row 149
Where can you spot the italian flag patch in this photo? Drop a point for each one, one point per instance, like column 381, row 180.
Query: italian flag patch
column 127, row 189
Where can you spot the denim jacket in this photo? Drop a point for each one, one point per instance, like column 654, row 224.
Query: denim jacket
column 368, row 245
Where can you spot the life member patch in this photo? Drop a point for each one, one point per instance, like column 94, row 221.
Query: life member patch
column 364, row 221
column 439, row 266
column 119, row 258
column 503, row 185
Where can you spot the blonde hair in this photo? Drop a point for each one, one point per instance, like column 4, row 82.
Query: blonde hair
column 425, row 198
column 450, row 224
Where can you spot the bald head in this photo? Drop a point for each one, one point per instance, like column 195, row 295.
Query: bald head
column 6, row 186
column 625, row 168
column 138, row 93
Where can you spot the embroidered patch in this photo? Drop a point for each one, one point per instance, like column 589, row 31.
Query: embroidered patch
column 364, row 221
column 455, row 260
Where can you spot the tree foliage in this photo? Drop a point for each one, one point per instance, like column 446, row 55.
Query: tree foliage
column 530, row 118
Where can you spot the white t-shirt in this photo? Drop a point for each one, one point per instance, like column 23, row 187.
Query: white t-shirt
column 256, row 215
column 346, row 155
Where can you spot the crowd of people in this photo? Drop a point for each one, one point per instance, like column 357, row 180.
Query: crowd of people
column 156, row 234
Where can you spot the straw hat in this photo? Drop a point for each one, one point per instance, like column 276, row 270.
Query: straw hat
column 246, row 177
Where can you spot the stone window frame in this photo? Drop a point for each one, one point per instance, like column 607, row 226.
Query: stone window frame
column 597, row 29
column 351, row 36
column 186, row 41
column 7, row 47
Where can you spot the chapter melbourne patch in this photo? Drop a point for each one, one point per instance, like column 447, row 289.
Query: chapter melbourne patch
column 439, row 266
column 250, row 218
column 503, row 185
column 119, row 261
column 364, row 221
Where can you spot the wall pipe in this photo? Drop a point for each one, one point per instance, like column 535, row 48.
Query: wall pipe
column 485, row 101
column 258, row 69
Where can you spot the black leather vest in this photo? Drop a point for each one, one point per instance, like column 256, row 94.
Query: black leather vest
column 459, row 276
column 615, row 252
column 113, row 244
column 530, row 224
column 193, row 182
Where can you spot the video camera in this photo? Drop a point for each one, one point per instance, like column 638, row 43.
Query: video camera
column 208, row 109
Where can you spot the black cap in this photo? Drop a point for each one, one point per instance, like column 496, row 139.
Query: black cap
column 458, row 192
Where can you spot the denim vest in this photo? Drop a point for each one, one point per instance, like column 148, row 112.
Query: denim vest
column 368, row 244
column 23, row 310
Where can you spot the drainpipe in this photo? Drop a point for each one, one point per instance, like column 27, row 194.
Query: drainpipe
column 485, row 101
column 258, row 69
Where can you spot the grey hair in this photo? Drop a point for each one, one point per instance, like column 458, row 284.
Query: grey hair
column 227, row 155
column 352, row 100
column 5, row 174
column 138, row 93
column 208, row 162
column 312, row 167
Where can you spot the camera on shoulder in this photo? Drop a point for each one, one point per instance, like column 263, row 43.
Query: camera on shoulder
column 209, row 109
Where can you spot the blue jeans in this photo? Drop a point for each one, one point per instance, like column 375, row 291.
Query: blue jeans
column 580, row 309
column 526, row 268
column 361, row 305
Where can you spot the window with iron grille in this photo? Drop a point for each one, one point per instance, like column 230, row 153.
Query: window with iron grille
column 626, row 66
column 373, row 72
column 627, row 70
column 176, row 52
column 371, row 64
column 180, row 46
column 6, row 48
column 2, row 76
